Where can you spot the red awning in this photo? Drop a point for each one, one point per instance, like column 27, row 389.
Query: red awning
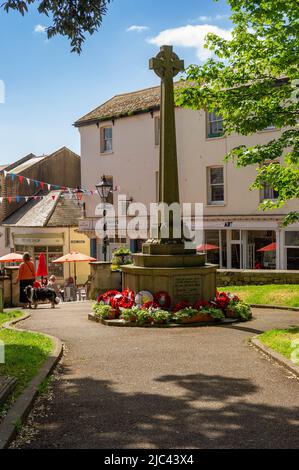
column 272, row 247
column 207, row 247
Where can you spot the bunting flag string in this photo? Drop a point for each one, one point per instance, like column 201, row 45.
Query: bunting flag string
column 35, row 197
column 51, row 187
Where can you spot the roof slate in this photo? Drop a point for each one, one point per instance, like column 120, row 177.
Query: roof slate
column 124, row 105
column 47, row 212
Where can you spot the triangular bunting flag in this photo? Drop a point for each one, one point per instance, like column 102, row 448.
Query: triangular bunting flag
column 18, row 198
column 5, row 173
column 13, row 176
column 42, row 184
column 53, row 197
column 21, row 179
column 28, row 181
column 49, row 187
column 9, row 199
column 1, row 200
column 26, row 199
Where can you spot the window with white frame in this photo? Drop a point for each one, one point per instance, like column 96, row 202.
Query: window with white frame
column 216, row 185
column 106, row 140
column 214, row 125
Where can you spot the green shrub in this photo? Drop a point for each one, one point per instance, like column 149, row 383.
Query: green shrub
column 144, row 316
column 161, row 316
column 186, row 313
column 103, row 311
column 128, row 313
column 215, row 313
column 242, row 310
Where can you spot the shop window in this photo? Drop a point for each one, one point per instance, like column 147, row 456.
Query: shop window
column 292, row 246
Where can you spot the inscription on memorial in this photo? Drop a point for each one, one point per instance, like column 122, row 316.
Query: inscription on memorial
column 187, row 287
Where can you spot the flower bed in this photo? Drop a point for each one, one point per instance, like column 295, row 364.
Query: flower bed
column 129, row 308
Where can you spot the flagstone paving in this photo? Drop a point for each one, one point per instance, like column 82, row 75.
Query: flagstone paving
column 152, row 388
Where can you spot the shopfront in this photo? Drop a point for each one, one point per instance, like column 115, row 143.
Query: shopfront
column 241, row 249
column 52, row 245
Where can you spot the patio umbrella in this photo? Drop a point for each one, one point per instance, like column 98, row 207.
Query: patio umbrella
column 207, row 247
column 272, row 247
column 11, row 258
column 75, row 258
column 42, row 269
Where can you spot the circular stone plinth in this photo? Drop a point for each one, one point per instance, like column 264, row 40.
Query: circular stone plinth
column 124, row 324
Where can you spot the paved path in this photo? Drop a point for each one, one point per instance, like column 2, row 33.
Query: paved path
column 176, row 388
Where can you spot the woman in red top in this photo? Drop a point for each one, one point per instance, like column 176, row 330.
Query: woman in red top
column 26, row 277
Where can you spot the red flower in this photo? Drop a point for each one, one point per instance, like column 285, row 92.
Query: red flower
column 149, row 305
column 163, row 300
column 201, row 304
column 222, row 300
column 181, row 305
column 107, row 297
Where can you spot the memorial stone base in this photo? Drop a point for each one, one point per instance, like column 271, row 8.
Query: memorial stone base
column 182, row 282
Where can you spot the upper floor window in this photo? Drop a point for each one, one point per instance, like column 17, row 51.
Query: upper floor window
column 214, row 125
column 106, row 139
column 157, row 130
column 216, row 185
column 269, row 193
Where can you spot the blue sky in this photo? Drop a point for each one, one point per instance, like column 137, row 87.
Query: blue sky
column 47, row 88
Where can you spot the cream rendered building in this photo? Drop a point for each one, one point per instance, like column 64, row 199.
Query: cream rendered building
column 120, row 139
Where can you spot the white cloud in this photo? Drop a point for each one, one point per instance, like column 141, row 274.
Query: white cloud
column 39, row 28
column 137, row 29
column 221, row 17
column 204, row 18
column 192, row 36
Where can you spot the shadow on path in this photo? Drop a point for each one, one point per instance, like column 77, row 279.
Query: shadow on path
column 181, row 411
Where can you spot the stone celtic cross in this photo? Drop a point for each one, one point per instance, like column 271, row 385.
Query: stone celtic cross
column 167, row 65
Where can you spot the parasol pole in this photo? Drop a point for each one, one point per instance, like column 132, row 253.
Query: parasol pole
column 75, row 271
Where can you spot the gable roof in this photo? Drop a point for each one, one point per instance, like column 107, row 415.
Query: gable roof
column 31, row 159
column 125, row 105
column 46, row 212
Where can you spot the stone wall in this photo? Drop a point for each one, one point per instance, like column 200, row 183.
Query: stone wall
column 10, row 289
column 236, row 277
column 103, row 279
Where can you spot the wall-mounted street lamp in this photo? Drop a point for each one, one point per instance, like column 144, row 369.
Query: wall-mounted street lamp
column 104, row 189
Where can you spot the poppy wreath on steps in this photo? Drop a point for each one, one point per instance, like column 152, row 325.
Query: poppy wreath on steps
column 163, row 299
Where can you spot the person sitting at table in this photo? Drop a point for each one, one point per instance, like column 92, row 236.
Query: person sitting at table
column 52, row 284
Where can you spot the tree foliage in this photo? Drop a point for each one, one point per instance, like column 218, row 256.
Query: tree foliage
column 253, row 83
column 70, row 18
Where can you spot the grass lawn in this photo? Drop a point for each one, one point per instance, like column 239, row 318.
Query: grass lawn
column 24, row 353
column 281, row 341
column 7, row 316
column 284, row 295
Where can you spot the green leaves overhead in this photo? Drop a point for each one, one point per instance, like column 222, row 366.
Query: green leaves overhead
column 252, row 81
column 70, row 18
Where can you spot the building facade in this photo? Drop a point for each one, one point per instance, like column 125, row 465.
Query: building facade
column 47, row 220
column 120, row 139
